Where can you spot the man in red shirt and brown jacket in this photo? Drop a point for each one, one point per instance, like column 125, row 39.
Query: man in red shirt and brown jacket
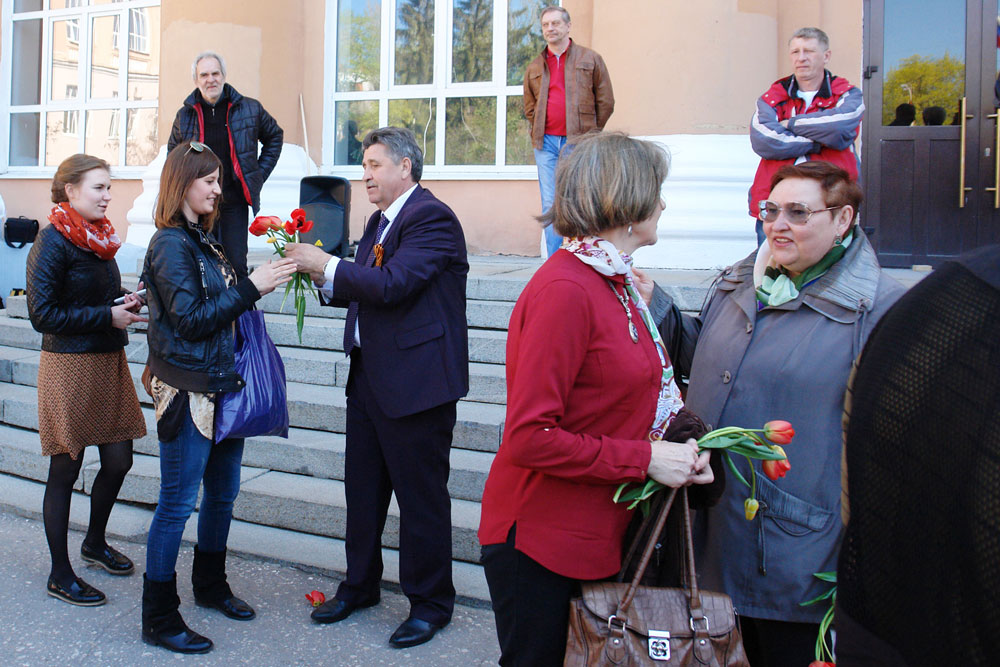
column 561, row 108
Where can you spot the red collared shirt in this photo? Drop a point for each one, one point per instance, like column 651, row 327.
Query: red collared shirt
column 555, row 106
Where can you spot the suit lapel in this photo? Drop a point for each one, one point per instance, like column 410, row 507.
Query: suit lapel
column 391, row 241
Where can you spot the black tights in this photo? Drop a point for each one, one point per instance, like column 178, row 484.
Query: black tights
column 116, row 460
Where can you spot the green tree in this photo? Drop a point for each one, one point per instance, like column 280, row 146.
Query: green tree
column 524, row 37
column 472, row 40
column 414, row 42
column 358, row 42
column 924, row 82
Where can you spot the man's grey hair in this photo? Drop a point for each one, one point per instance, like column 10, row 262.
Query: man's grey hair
column 400, row 143
column 555, row 8
column 812, row 33
column 207, row 54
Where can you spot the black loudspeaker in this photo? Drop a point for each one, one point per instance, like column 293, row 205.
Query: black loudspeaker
column 327, row 202
column 18, row 232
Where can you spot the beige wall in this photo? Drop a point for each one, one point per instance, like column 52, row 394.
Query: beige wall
column 677, row 68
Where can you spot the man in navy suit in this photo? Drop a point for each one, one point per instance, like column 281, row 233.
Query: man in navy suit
column 407, row 338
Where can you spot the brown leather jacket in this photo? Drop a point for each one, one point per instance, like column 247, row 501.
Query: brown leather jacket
column 589, row 98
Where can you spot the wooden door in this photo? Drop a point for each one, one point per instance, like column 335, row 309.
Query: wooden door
column 926, row 165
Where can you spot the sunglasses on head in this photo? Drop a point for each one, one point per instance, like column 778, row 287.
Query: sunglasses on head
column 796, row 213
column 198, row 147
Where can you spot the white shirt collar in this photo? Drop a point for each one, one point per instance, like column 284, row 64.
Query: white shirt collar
column 396, row 206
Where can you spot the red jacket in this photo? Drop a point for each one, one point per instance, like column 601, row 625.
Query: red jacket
column 581, row 397
column 826, row 130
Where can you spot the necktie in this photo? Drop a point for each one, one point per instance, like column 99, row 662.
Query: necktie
column 351, row 321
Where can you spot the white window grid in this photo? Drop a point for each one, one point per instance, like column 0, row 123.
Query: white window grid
column 83, row 103
column 440, row 93
column 138, row 29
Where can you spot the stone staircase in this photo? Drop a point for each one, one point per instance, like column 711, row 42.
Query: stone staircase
column 292, row 490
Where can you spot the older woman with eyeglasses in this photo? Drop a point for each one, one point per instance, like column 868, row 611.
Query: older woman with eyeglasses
column 777, row 340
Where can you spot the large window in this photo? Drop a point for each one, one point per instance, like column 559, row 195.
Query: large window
column 450, row 70
column 78, row 84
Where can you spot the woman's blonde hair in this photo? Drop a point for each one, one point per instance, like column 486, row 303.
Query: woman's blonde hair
column 183, row 167
column 71, row 171
column 608, row 180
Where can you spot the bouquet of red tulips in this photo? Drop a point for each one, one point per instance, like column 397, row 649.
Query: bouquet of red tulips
column 279, row 233
column 763, row 444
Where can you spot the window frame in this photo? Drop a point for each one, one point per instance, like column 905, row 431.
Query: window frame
column 441, row 91
column 86, row 14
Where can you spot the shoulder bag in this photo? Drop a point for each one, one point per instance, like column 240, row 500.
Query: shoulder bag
column 617, row 623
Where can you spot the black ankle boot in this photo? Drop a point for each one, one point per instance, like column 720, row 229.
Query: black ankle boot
column 208, row 577
column 162, row 624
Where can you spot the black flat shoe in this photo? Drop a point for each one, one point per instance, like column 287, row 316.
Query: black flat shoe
column 109, row 558
column 335, row 610
column 232, row 607
column 413, row 632
column 79, row 593
column 185, row 641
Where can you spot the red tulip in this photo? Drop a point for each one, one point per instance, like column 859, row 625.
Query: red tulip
column 820, row 663
column 290, row 227
column 262, row 223
column 306, row 226
column 750, row 506
column 776, row 469
column 779, row 432
column 316, row 598
column 298, row 215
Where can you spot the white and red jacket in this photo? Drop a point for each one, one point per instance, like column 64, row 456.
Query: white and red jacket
column 826, row 130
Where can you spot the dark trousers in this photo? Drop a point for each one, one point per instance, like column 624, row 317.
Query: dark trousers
column 408, row 455
column 530, row 603
column 779, row 643
column 231, row 231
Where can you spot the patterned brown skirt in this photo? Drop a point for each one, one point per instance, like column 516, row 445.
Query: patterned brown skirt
column 86, row 399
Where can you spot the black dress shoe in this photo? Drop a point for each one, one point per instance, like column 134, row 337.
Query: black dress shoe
column 79, row 593
column 109, row 558
column 185, row 641
column 233, row 607
column 335, row 610
column 413, row 632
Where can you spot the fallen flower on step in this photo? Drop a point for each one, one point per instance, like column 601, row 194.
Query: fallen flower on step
column 316, row 598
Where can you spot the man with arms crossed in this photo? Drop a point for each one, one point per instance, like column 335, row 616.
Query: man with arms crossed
column 810, row 115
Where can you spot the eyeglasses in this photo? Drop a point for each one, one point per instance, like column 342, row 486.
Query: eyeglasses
column 796, row 213
column 198, row 147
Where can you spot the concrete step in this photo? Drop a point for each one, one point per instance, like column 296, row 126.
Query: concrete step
column 479, row 425
column 312, row 552
column 486, row 346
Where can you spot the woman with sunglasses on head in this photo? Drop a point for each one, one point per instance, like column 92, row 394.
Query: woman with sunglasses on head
column 194, row 300
column 85, row 390
column 776, row 340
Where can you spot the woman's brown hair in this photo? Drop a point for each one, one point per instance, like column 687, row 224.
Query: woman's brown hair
column 71, row 171
column 836, row 184
column 185, row 164
column 608, row 180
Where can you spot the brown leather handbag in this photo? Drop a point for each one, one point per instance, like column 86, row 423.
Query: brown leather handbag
column 614, row 623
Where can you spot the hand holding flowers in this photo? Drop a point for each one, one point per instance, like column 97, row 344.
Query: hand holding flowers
column 749, row 443
column 279, row 234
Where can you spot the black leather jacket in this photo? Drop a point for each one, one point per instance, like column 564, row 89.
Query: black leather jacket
column 191, row 312
column 248, row 122
column 70, row 293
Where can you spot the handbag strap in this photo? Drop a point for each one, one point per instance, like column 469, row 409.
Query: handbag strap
column 647, row 553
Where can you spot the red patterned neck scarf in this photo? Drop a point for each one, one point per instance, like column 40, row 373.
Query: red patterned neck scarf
column 97, row 237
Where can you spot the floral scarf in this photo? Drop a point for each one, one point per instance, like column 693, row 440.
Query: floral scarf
column 97, row 237
column 603, row 257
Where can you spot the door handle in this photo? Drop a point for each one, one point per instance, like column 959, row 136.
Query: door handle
column 996, row 161
column 961, row 157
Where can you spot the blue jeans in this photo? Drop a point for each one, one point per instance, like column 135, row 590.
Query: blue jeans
column 546, row 159
column 186, row 462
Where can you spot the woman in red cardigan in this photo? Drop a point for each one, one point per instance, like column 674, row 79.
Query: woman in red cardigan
column 590, row 393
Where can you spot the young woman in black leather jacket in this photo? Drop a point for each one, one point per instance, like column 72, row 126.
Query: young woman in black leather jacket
column 86, row 395
column 194, row 300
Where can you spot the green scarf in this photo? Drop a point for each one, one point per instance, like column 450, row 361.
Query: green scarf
column 778, row 287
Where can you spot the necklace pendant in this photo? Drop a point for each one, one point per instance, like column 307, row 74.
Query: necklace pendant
column 633, row 332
